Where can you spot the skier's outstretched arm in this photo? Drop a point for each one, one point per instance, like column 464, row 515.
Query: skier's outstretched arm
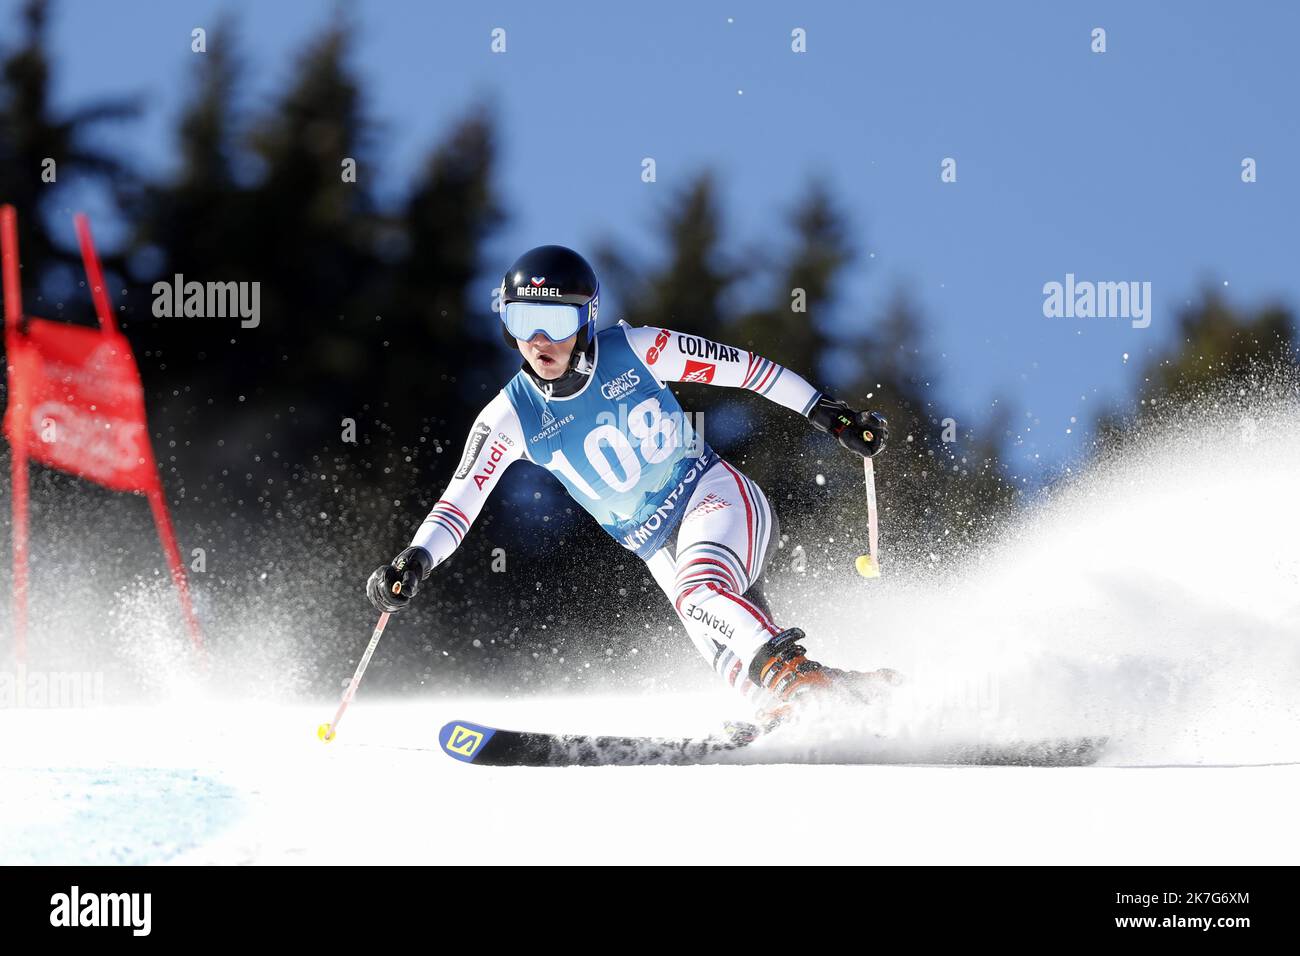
column 679, row 357
column 495, row 442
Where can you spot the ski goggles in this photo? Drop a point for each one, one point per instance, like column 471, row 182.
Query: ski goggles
column 554, row 320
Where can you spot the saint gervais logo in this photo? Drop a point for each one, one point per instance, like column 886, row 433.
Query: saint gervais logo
column 620, row 386
column 472, row 447
column 1102, row 300
column 102, row 909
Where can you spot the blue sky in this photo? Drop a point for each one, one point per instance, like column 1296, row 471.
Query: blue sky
column 1116, row 166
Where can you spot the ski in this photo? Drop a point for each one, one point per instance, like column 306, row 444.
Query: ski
column 497, row 747
column 1048, row 752
column 494, row 747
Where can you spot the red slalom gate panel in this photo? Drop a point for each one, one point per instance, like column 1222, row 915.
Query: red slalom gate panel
column 76, row 403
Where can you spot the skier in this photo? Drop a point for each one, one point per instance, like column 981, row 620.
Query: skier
column 592, row 408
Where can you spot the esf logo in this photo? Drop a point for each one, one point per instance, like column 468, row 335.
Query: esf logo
column 698, row 371
column 661, row 340
column 618, row 387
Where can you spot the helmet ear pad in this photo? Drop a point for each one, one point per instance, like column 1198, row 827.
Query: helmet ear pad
column 581, row 343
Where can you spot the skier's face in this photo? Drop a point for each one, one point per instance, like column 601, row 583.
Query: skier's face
column 548, row 359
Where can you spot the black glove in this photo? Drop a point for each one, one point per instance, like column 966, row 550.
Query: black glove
column 863, row 432
column 391, row 587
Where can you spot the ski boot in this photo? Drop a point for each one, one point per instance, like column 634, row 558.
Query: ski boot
column 866, row 687
column 794, row 681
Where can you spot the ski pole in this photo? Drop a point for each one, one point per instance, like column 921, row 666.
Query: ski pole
column 326, row 732
column 868, row 564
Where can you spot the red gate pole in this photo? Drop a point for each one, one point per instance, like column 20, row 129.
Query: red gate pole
column 18, row 461
column 157, row 500
column 158, row 504
column 95, row 274
column 18, row 473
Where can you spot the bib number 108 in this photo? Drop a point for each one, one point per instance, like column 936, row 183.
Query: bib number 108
column 646, row 421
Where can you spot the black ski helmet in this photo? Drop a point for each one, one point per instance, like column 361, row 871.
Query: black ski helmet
column 550, row 276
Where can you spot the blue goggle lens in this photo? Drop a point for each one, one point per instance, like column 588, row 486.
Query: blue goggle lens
column 556, row 321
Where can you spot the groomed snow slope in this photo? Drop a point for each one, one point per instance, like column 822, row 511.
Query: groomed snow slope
column 1156, row 601
column 201, row 784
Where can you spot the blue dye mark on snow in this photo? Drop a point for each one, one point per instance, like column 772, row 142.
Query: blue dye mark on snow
column 109, row 816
